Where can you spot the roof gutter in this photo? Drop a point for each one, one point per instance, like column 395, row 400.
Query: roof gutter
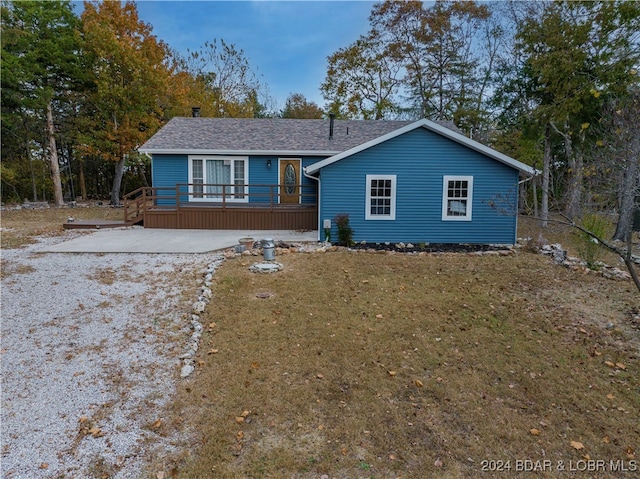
column 194, row 151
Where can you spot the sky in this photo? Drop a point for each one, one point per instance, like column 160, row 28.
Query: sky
column 286, row 42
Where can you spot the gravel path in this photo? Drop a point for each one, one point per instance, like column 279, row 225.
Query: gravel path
column 89, row 351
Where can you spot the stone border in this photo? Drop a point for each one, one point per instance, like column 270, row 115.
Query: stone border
column 196, row 310
column 559, row 255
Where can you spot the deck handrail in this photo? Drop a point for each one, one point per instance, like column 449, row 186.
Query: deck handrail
column 138, row 201
column 135, row 204
column 226, row 194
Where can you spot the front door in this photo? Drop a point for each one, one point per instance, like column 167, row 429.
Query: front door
column 290, row 180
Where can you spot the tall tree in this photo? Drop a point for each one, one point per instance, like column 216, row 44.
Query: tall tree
column 579, row 53
column 614, row 174
column 363, row 80
column 234, row 88
column 131, row 75
column 444, row 78
column 297, row 106
column 40, row 46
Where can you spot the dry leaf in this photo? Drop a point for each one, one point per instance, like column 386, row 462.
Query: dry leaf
column 610, row 396
column 392, row 373
column 577, row 445
column 320, row 375
column 213, row 351
column 621, row 366
column 157, row 424
column 160, row 475
column 379, row 316
column 438, row 463
column 392, row 457
column 534, row 431
column 95, row 431
column 605, row 439
column 201, row 363
column 240, row 436
column 418, row 383
column 245, row 413
column 239, row 419
column 610, row 364
column 83, row 419
column 44, row 465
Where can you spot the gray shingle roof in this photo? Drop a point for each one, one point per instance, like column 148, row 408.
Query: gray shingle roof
column 265, row 135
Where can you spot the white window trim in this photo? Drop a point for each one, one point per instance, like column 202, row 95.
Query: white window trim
column 229, row 199
column 445, row 198
column 392, row 214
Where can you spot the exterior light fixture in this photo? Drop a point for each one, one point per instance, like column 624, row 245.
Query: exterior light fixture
column 269, row 163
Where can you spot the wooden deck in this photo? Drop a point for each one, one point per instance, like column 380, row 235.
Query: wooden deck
column 94, row 224
column 153, row 209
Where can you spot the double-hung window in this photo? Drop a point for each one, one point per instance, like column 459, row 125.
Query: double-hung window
column 381, row 197
column 211, row 178
column 457, row 198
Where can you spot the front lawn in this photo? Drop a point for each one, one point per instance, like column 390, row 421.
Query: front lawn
column 391, row 365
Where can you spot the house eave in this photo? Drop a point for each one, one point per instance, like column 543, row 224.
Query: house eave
column 195, row 151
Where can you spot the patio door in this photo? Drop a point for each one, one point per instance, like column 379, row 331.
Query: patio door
column 290, row 169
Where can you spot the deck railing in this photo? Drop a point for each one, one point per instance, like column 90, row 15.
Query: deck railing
column 265, row 196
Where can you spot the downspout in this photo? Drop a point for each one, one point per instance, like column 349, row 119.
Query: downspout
column 146, row 153
column 304, row 171
column 535, row 173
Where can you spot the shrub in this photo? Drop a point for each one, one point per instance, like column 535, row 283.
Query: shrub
column 589, row 248
column 345, row 233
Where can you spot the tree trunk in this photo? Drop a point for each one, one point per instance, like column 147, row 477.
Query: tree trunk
column 143, row 174
column 546, row 166
column 81, row 180
column 53, row 158
column 575, row 162
column 117, row 182
column 630, row 189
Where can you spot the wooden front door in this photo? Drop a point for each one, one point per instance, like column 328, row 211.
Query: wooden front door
column 290, row 180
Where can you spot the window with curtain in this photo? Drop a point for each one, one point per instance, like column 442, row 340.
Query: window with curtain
column 215, row 177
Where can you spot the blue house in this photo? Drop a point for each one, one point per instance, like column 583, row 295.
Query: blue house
column 396, row 180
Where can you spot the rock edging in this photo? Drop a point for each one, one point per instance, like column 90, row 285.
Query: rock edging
column 197, row 309
column 559, row 255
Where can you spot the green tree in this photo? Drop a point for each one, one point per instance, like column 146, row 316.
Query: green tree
column 579, row 54
column 40, row 69
column 444, row 75
column 297, row 106
column 131, row 77
column 363, row 80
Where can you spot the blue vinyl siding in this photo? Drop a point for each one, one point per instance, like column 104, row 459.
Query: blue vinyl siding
column 420, row 159
column 166, row 172
column 169, row 170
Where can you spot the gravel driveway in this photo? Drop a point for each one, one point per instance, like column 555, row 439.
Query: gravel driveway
column 89, row 351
